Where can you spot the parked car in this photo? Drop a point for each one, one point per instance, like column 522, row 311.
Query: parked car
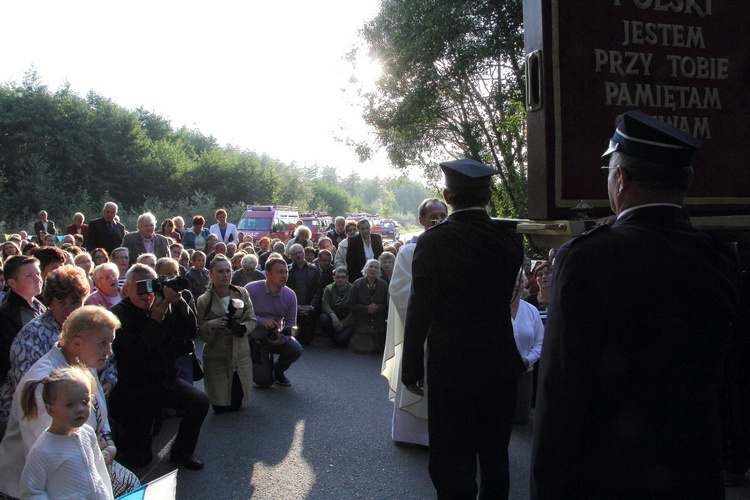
column 390, row 229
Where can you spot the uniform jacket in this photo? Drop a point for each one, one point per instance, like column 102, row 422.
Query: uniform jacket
column 463, row 301
column 631, row 362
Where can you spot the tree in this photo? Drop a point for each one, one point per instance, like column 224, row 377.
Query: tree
column 331, row 198
column 65, row 153
column 452, row 85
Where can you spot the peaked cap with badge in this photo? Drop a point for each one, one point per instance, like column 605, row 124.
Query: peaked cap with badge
column 645, row 137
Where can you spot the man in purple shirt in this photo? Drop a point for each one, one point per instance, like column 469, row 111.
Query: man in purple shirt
column 276, row 313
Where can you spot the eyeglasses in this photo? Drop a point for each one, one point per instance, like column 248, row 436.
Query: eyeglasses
column 295, row 253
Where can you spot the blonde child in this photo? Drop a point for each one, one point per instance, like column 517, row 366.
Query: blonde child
column 66, row 461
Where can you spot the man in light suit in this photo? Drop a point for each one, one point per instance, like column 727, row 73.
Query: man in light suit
column 463, row 301
column 105, row 232
column 362, row 247
column 145, row 240
column 630, row 374
column 43, row 224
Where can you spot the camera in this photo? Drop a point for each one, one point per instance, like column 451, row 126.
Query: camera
column 178, row 283
column 233, row 324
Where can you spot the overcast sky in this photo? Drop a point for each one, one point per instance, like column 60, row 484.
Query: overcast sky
column 265, row 76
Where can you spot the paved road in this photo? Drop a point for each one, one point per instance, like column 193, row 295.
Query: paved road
column 325, row 437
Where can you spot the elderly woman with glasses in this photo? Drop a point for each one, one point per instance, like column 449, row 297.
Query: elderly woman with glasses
column 120, row 257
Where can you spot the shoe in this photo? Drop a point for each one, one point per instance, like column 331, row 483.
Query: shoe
column 282, row 380
column 192, row 462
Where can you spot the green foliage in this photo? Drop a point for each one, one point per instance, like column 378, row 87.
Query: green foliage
column 452, row 86
column 329, row 198
column 64, row 153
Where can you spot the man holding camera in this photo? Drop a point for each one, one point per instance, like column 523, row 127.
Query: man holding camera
column 276, row 313
column 148, row 374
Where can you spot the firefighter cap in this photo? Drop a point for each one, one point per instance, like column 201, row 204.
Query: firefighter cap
column 642, row 136
column 467, row 173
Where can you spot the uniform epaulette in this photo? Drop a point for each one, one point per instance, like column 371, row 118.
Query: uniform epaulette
column 586, row 234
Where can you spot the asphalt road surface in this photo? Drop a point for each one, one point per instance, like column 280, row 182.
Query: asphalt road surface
column 325, row 437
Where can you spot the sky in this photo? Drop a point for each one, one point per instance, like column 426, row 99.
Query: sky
column 264, row 76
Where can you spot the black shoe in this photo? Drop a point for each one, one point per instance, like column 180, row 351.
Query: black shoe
column 281, row 379
column 192, row 462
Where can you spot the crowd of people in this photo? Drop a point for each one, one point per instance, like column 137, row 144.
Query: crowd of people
column 136, row 302
column 626, row 380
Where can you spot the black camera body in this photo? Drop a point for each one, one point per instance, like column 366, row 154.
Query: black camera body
column 233, row 323
column 178, row 283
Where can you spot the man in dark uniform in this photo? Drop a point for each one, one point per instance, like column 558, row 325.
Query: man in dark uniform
column 638, row 322
column 463, row 301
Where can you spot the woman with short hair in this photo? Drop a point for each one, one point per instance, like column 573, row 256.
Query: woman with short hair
column 168, row 230
column 336, row 318
column 99, row 256
column 86, row 338
column 387, row 261
column 195, row 237
column 248, row 272
column 179, row 225
column 542, row 272
column 368, row 301
column 148, row 259
column 120, row 257
column 108, row 290
column 225, row 231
